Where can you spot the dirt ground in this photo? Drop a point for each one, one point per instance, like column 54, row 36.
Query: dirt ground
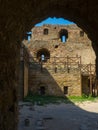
column 78, row 116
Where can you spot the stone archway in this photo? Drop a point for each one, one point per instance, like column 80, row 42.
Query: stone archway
column 16, row 18
column 43, row 55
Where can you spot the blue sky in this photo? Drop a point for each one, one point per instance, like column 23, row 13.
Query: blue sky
column 54, row 20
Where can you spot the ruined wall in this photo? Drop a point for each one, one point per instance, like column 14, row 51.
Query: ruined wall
column 76, row 50
column 54, row 82
column 86, row 84
column 9, row 70
column 16, row 18
column 54, row 33
column 75, row 43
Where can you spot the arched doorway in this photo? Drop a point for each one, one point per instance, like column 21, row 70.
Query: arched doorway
column 42, row 90
column 16, row 19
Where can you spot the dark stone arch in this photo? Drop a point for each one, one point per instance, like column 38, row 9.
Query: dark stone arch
column 16, row 18
column 44, row 52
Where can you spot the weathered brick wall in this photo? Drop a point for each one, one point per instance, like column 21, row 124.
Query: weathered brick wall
column 15, row 19
column 85, row 84
column 60, row 54
column 9, row 69
column 54, row 33
column 54, row 82
column 75, row 44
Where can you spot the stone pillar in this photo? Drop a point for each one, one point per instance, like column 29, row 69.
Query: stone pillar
column 95, row 47
column 21, row 81
column 25, row 79
column 9, row 59
column 96, row 76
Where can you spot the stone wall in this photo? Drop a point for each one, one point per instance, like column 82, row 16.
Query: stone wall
column 16, row 18
column 60, row 56
column 9, row 70
column 74, row 45
column 23, row 73
column 54, row 33
column 54, row 82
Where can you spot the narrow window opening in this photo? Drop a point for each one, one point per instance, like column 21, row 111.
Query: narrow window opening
column 42, row 57
column 63, row 35
column 45, row 31
column 55, row 69
column 65, row 89
column 63, row 38
column 81, row 33
column 42, row 90
column 28, row 36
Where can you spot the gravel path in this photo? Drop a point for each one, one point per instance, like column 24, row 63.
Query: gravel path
column 78, row 116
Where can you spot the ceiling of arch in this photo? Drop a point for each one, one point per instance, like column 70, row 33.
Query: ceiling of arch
column 21, row 16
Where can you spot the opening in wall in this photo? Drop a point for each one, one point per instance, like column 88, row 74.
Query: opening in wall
column 63, row 35
column 28, row 36
column 43, row 55
column 81, row 33
column 42, row 90
column 45, row 31
column 65, row 89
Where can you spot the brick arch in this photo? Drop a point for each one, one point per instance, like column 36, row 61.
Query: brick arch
column 16, row 18
column 43, row 51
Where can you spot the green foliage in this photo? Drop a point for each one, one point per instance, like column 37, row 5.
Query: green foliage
column 42, row 100
column 82, row 98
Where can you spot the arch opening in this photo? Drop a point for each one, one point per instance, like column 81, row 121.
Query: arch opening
column 79, row 12
column 63, row 35
column 43, row 55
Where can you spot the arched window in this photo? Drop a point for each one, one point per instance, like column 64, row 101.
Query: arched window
column 28, row 36
column 63, row 35
column 45, row 31
column 43, row 55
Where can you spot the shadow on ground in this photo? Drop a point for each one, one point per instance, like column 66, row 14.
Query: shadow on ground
column 62, row 116
column 78, row 116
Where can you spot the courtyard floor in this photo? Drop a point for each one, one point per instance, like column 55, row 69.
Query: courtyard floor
column 78, row 116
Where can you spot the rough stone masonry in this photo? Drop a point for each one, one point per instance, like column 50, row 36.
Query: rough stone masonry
column 57, row 56
column 16, row 18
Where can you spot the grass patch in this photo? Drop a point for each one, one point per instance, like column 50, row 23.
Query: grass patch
column 82, row 98
column 42, row 100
